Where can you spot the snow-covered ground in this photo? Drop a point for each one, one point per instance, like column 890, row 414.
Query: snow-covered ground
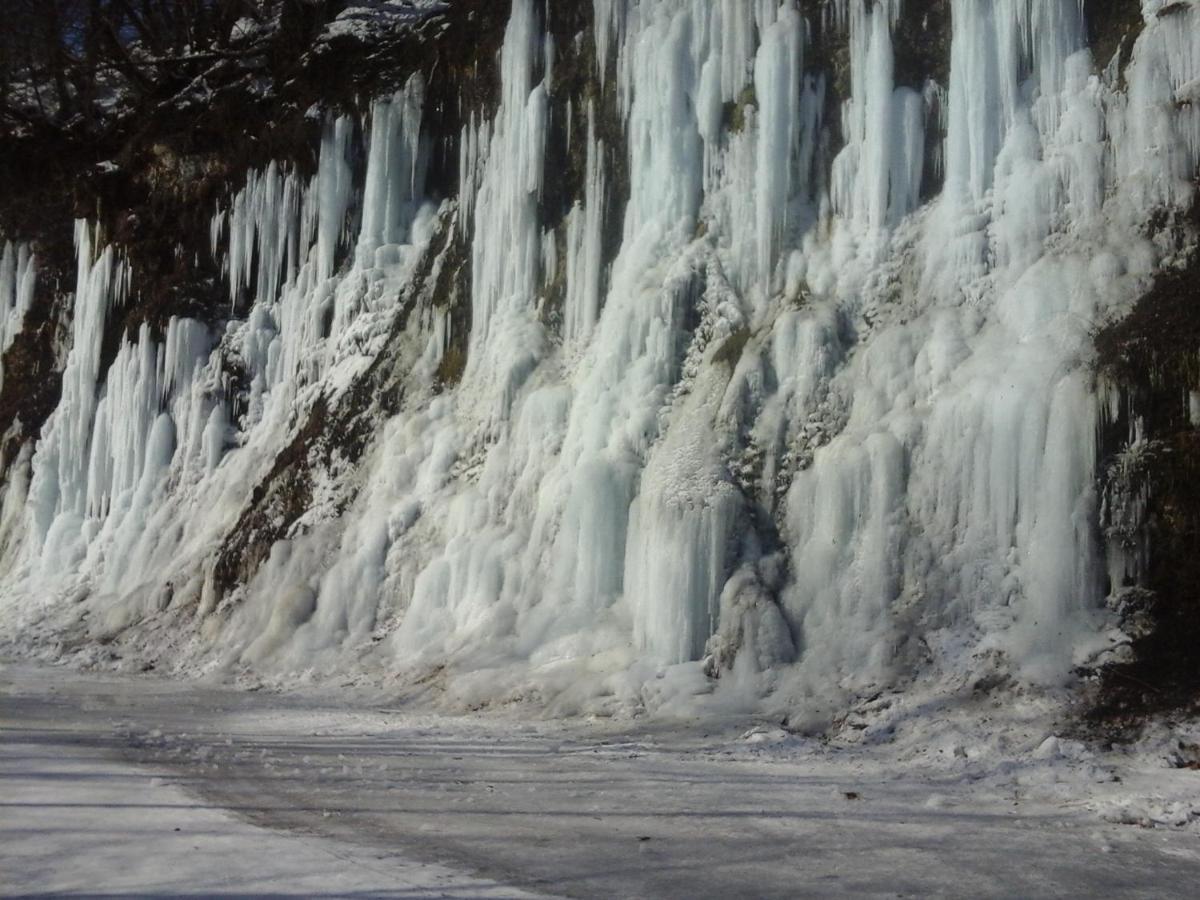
column 79, row 819
column 330, row 792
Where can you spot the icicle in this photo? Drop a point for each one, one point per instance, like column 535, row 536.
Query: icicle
column 549, row 256
column 992, row 45
column 59, row 483
column 609, row 18
column 18, row 282
column 396, row 165
column 216, row 230
column 138, row 398
column 877, row 177
column 658, row 72
column 475, row 139
column 777, row 85
column 584, row 235
column 676, row 564
column 333, row 190
column 507, row 246
column 1156, row 137
column 264, row 231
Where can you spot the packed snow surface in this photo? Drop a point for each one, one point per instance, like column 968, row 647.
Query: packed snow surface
column 811, row 428
column 151, row 787
column 85, row 816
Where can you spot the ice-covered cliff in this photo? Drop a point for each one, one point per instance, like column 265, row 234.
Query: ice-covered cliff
column 742, row 355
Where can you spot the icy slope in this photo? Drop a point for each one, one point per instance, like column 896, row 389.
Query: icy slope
column 810, row 400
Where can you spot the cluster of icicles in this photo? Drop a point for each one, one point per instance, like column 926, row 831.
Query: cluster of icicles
column 18, row 277
column 804, row 425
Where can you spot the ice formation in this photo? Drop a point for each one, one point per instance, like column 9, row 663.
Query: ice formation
column 817, row 419
column 18, row 277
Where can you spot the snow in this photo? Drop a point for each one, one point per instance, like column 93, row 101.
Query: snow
column 808, row 431
column 368, row 19
column 345, row 793
column 69, row 794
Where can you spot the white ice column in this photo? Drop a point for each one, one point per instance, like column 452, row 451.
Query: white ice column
column 584, row 244
column 396, row 163
column 777, row 84
column 676, row 563
column 334, row 191
column 146, row 383
column 18, row 279
column 507, row 243
column 59, row 485
column 996, row 45
column 876, row 179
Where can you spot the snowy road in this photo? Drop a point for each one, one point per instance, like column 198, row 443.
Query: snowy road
column 289, row 795
column 80, row 819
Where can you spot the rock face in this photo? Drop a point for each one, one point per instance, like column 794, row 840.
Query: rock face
column 604, row 355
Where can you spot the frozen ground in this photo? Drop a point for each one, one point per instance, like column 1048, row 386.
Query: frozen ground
column 83, row 816
column 314, row 793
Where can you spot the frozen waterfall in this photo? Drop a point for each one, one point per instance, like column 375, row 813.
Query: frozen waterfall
column 801, row 412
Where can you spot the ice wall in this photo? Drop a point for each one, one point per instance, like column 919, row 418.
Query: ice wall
column 146, row 465
column 59, row 489
column 800, row 422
